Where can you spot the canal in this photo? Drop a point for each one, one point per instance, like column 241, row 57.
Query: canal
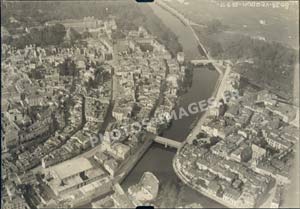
column 157, row 159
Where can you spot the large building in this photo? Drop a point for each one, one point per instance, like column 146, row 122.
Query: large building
column 146, row 190
column 72, row 174
column 258, row 153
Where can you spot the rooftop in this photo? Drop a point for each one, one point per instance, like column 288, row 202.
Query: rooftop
column 71, row 167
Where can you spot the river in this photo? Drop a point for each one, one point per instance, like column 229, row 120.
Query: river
column 158, row 159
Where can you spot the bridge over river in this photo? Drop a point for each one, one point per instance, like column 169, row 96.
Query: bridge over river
column 167, row 142
column 208, row 61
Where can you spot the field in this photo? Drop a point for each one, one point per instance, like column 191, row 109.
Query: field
column 276, row 24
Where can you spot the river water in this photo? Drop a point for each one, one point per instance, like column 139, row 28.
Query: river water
column 158, row 159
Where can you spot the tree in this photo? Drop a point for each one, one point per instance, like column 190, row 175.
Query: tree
column 72, row 35
column 68, row 68
column 201, row 135
column 49, row 35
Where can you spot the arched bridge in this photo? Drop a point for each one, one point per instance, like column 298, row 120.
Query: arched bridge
column 167, row 142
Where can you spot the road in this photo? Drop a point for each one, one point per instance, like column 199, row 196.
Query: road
column 178, row 14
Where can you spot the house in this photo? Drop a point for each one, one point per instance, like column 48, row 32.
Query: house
column 266, row 97
column 111, row 166
column 231, row 195
column 213, row 187
column 258, row 153
column 101, row 157
column 278, row 143
column 232, row 111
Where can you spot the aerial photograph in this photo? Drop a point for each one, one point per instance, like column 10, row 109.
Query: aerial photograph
column 160, row 103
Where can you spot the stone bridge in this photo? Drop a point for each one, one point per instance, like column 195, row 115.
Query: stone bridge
column 167, row 142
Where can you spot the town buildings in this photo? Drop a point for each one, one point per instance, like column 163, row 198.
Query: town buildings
column 247, row 151
column 58, row 101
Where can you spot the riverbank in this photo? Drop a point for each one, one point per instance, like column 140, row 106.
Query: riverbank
column 198, row 188
column 125, row 168
column 217, row 93
column 128, row 165
column 158, row 159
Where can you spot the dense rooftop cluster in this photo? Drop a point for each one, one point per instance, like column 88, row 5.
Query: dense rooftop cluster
column 58, row 99
column 245, row 147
